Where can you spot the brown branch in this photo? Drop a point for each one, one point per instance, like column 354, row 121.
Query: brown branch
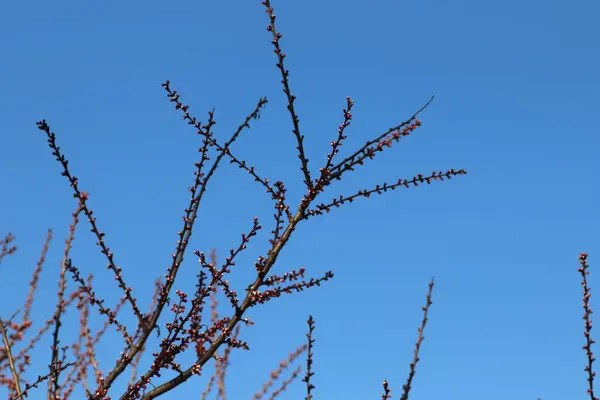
column 290, row 97
column 53, row 384
column 380, row 189
column 335, row 145
column 309, row 359
column 277, row 373
column 138, row 356
column 83, row 357
column 174, row 97
column 406, row 388
column 35, row 384
column 214, row 316
column 99, row 303
column 209, row 385
column 382, row 141
column 32, row 288
column 83, row 197
column 36, row 276
column 222, row 367
column 583, row 270
column 286, row 383
column 11, row 362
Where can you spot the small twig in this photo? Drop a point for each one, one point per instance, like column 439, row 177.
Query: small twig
column 290, row 97
column 286, row 383
column 53, row 384
column 588, row 324
column 380, row 189
column 36, row 277
column 366, row 151
column 413, row 364
column 11, row 362
column 309, row 360
column 277, row 373
column 83, row 197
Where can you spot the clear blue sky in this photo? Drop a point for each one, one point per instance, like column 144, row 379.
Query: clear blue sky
column 517, row 97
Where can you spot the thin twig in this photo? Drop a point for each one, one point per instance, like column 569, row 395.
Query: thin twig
column 309, row 359
column 83, row 197
column 413, row 364
column 11, row 362
column 53, row 384
column 286, row 89
column 277, row 373
column 588, row 324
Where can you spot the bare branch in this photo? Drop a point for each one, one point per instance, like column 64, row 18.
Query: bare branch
column 309, row 360
column 583, row 270
column 277, row 373
column 290, row 97
column 381, row 142
column 380, row 189
column 406, row 388
column 11, row 361
column 83, row 197
column 53, row 384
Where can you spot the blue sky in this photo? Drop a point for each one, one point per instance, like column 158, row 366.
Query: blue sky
column 517, row 96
